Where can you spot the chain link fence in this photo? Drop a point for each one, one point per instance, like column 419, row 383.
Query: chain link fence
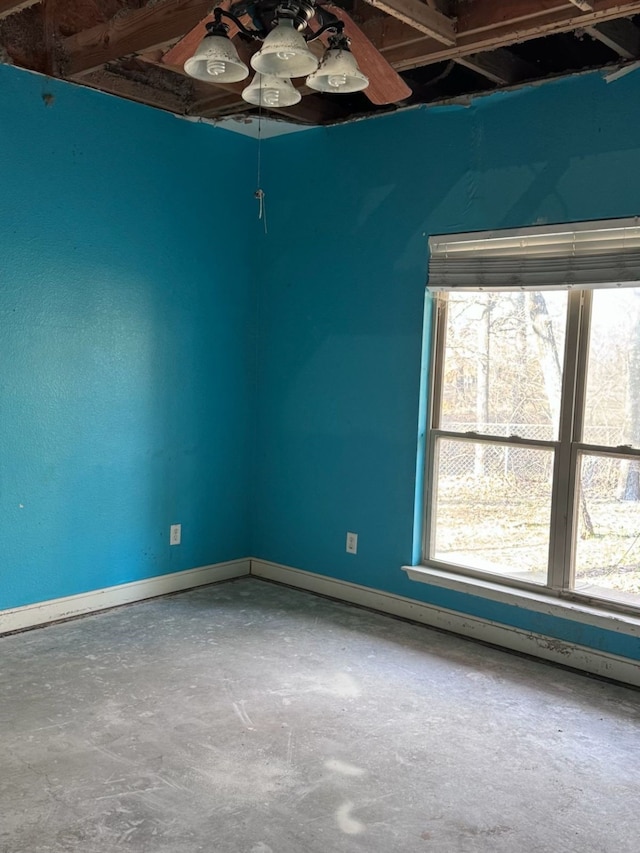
column 522, row 468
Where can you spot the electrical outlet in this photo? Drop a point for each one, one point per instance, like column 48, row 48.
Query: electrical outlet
column 175, row 534
column 352, row 543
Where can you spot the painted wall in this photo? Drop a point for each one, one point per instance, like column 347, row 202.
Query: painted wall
column 126, row 371
column 129, row 397
column 341, row 308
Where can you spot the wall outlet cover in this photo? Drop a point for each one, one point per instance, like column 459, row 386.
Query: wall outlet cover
column 352, row 543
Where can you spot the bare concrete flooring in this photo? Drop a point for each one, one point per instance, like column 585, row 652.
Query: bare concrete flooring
column 250, row 718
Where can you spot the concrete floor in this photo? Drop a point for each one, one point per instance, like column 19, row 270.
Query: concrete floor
column 250, row 718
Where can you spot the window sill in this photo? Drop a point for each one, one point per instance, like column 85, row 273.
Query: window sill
column 548, row 603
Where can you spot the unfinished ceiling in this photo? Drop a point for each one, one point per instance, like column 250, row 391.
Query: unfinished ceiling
column 412, row 51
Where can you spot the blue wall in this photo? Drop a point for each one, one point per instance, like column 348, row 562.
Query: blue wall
column 126, row 371
column 341, row 308
column 136, row 304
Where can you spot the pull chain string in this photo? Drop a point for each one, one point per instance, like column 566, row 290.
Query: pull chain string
column 259, row 193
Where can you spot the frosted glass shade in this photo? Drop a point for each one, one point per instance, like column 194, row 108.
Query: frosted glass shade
column 267, row 90
column 285, row 53
column 216, row 61
column 338, row 72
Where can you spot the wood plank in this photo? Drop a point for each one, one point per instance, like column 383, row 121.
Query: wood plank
column 566, row 19
column 389, row 32
column 500, row 66
column 421, row 17
column 481, row 15
column 10, row 7
column 155, row 25
column 385, row 84
column 622, row 36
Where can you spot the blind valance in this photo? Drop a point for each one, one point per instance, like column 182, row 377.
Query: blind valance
column 578, row 255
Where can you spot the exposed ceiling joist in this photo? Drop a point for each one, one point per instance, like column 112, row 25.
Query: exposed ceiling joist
column 622, row 36
column 540, row 15
column 9, row 7
column 479, row 32
column 155, row 25
column 117, row 55
column 421, row 17
column 500, row 66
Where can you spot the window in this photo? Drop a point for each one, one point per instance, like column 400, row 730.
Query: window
column 533, row 463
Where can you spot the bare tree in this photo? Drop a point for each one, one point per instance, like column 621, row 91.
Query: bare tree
column 631, row 487
column 552, row 372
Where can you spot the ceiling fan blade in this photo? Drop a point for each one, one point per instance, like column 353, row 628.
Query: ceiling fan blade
column 386, row 86
column 186, row 47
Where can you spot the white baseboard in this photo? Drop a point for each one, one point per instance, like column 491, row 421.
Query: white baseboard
column 43, row 612
column 516, row 639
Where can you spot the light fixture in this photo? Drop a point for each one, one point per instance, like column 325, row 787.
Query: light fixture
column 338, row 71
column 284, row 30
column 216, row 59
column 267, row 90
column 285, row 53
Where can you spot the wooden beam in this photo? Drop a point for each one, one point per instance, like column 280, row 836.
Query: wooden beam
column 500, row 66
column 476, row 35
column 421, row 17
column 481, row 15
column 10, row 7
column 155, row 25
column 622, row 36
column 585, row 5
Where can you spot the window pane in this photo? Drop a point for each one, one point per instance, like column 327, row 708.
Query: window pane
column 607, row 562
column 612, row 404
column 503, row 357
column 493, row 506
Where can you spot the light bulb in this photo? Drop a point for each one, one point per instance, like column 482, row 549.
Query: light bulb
column 270, row 91
column 285, row 52
column 271, row 97
column 215, row 67
column 216, row 57
column 337, row 80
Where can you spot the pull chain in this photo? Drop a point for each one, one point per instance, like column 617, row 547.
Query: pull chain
column 259, row 193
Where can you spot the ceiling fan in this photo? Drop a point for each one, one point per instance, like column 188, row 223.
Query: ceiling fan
column 286, row 29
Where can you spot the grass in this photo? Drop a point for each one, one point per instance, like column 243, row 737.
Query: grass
column 494, row 528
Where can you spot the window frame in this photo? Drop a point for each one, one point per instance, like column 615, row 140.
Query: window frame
column 568, row 448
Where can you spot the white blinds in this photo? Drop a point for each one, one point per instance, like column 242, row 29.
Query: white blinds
column 580, row 255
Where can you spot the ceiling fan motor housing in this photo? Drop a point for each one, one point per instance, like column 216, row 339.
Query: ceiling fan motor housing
column 265, row 14
column 299, row 11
